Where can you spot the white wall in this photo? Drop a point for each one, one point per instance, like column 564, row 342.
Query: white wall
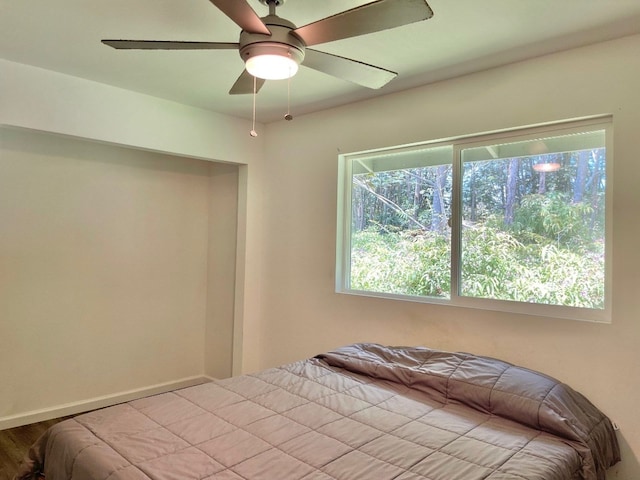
column 103, row 269
column 48, row 101
column 165, row 302
column 303, row 315
column 221, row 273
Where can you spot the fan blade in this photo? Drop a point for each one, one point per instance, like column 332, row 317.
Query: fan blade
column 243, row 15
column 244, row 84
column 351, row 70
column 368, row 18
column 168, row 45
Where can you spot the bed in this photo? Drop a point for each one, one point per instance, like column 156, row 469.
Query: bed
column 363, row 411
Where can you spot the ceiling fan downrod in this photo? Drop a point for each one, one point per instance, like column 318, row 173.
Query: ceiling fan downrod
column 272, row 4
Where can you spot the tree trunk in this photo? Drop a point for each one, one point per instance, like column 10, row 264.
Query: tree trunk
column 581, row 176
column 474, row 194
column 417, row 196
column 438, row 209
column 512, row 185
column 595, row 182
column 358, row 208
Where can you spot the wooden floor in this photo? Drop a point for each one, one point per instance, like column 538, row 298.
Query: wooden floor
column 14, row 444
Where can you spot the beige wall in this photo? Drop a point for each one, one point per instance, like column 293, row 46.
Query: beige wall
column 35, row 100
column 111, row 276
column 221, row 272
column 303, row 315
column 48, row 101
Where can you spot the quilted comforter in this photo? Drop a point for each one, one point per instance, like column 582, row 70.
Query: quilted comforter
column 364, row 411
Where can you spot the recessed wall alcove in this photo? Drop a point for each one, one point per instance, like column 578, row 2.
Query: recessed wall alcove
column 117, row 270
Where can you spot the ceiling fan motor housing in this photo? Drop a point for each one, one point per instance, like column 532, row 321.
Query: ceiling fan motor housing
column 282, row 41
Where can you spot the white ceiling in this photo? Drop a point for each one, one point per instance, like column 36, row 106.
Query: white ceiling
column 462, row 37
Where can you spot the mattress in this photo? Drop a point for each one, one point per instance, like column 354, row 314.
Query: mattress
column 364, row 411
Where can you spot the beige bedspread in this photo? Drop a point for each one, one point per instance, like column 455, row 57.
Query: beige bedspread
column 361, row 412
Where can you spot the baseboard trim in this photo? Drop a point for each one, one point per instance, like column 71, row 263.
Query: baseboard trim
column 75, row 408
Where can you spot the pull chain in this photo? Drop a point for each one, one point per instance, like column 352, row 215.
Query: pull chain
column 288, row 116
column 253, row 132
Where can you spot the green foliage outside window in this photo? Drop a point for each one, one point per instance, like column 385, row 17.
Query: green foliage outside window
column 527, row 234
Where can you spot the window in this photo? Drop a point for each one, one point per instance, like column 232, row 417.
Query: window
column 517, row 221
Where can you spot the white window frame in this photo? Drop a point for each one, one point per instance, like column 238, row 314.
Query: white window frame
column 343, row 237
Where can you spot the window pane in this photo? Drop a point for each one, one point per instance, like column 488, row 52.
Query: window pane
column 533, row 225
column 400, row 237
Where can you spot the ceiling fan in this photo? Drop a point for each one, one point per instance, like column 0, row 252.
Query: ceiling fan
column 273, row 47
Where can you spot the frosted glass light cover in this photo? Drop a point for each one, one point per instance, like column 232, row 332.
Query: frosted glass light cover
column 271, row 67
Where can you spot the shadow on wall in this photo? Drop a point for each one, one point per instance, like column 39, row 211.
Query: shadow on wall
column 624, row 470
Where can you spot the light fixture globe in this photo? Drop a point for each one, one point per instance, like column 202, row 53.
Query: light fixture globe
column 272, row 57
column 271, row 61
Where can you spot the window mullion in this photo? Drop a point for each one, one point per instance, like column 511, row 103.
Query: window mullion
column 456, row 222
